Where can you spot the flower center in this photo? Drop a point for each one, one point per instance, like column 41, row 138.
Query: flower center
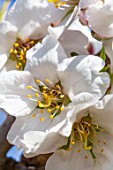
column 51, row 97
column 86, row 132
column 18, row 52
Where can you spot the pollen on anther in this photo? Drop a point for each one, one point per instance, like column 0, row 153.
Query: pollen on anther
column 37, row 81
column 102, row 150
column 33, row 115
column 57, row 107
column 42, row 119
column 51, row 116
column 41, row 111
column 36, row 95
column 44, row 87
column 47, row 80
column 61, row 108
column 11, row 50
column 29, row 87
column 61, row 96
column 29, row 96
column 16, row 45
column 86, row 157
column 72, row 142
column 78, row 151
column 49, row 110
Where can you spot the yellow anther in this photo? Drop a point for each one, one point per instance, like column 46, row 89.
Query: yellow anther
column 37, row 81
column 16, row 45
column 55, row 1
column 44, row 87
column 27, row 39
column 42, row 119
column 29, row 96
column 40, row 104
column 22, row 52
column 51, row 116
column 57, row 107
column 21, row 57
column 33, row 115
column 17, row 66
column 98, row 141
column 11, row 50
column 61, row 108
column 15, row 52
column 78, row 151
column 25, row 49
column 61, row 96
column 29, row 87
column 20, row 64
column 72, row 142
column 51, row 92
column 57, row 86
column 86, row 157
column 49, row 110
column 38, row 101
column 45, row 96
column 41, row 111
column 36, row 95
column 32, row 42
column 47, row 80
column 28, row 47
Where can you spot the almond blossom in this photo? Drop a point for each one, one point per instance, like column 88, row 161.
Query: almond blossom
column 89, row 145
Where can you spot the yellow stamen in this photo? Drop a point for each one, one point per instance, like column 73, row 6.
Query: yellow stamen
column 15, row 52
column 11, row 50
column 72, row 142
column 29, row 87
column 16, row 45
column 32, row 42
column 29, row 96
column 34, row 115
column 51, row 116
column 17, row 66
column 20, row 64
column 61, row 96
column 49, row 110
column 37, row 81
column 42, row 119
column 41, row 111
column 61, row 108
column 57, row 107
column 36, row 95
column 22, row 52
column 47, row 80
column 44, row 87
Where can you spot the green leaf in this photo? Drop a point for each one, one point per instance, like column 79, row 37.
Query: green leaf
column 103, row 54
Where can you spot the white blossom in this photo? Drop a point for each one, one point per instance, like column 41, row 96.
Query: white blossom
column 90, row 143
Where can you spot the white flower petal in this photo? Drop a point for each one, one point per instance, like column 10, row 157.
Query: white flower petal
column 44, row 58
column 7, row 36
column 31, row 17
column 103, row 152
column 103, row 25
column 36, row 143
column 73, row 160
column 83, row 72
column 13, row 93
column 103, row 113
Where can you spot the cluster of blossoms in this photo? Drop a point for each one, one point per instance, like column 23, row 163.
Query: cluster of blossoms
column 56, row 78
